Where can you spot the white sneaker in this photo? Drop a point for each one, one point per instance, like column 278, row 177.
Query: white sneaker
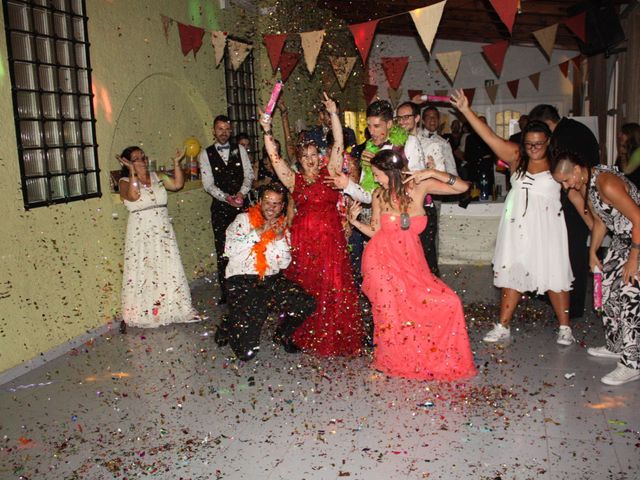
column 497, row 334
column 621, row 375
column 565, row 337
column 603, row 352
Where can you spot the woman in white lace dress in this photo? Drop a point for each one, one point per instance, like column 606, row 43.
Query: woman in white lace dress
column 155, row 291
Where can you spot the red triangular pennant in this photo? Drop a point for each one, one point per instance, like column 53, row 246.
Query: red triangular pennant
column 469, row 93
column 513, row 87
column 274, row 44
column 190, row 38
column 394, row 68
column 577, row 25
column 506, row 10
column 577, row 61
column 369, row 92
column 288, row 61
column 495, row 54
column 564, row 68
column 363, row 35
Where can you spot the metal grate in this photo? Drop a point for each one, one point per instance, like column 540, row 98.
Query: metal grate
column 241, row 99
column 48, row 53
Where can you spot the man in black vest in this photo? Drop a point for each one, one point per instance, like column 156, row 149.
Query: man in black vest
column 226, row 176
column 568, row 135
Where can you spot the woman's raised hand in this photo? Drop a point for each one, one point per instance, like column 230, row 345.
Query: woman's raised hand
column 460, row 100
column 178, row 157
column 265, row 121
column 124, row 162
column 329, row 104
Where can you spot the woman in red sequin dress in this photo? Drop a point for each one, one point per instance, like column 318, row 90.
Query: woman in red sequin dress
column 320, row 262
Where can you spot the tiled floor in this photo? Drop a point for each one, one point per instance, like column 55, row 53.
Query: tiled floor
column 169, row 404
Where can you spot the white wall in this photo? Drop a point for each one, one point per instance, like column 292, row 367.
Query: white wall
column 520, row 62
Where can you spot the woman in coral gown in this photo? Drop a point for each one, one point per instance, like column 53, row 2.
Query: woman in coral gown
column 419, row 325
column 320, row 261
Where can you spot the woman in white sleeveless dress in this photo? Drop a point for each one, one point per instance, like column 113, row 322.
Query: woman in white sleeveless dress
column 532, row 250
column 155, row 290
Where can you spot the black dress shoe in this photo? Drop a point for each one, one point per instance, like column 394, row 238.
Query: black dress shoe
column 290, row 347
column 221, row 337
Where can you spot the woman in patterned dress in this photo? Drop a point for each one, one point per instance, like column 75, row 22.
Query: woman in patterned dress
column 614, row 201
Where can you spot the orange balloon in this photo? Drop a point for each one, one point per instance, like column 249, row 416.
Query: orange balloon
column 191, row 147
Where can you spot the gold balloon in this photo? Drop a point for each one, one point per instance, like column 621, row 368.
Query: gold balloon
column 191, row 147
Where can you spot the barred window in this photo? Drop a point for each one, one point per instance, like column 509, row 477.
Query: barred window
column 48, row 52
column 241, row 100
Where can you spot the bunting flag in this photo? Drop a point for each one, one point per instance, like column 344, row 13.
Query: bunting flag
column 218, row 41
column 427, row 20
column 492, row 92
column 577, row 25
column 506, row 10
column 577, row 61
column 495, row 54
column 535, row 79
column 288, row 61
column 469, row 93
column 311, row 44
column 546, row 37
column 394, row 68
column 166, row 25
column 238, row 51
column 363, row 35
column 413, row 93
column 274, row 44
column 449, row 63
column 513, row 87
column 328, row 81
column 564, row 68
column 369, row 92
column 394, row 96
column 190, row 38
column 342, row 67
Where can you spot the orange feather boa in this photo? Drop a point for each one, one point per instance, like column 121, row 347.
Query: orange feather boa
column 260, row 249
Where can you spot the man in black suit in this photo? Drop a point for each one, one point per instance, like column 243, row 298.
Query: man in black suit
column 226, row 176
column 569, row 135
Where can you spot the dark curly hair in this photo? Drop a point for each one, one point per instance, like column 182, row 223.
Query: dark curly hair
column 126, row 153
column 533, row 126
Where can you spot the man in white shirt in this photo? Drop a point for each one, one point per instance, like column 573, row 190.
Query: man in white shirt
column 433, row 144
column 434, row 155
column 257, row 245
column 226, row 175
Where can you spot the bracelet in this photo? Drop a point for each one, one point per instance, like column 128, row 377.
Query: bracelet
column 452, row 179
column 635, row 245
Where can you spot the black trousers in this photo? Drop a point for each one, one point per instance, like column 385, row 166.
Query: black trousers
column 577, row 231
column 429, row 239
column 250, row 302
column 222, row 214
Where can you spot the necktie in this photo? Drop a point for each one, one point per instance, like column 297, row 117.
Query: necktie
column 222, row 148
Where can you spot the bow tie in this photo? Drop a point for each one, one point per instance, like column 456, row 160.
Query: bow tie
column 222, row 148
column 431, row 134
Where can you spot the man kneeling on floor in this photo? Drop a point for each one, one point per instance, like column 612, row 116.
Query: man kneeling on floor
column 257, row 245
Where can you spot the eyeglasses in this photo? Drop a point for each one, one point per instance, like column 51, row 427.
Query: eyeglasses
column 403, row 117
column 534, row 145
